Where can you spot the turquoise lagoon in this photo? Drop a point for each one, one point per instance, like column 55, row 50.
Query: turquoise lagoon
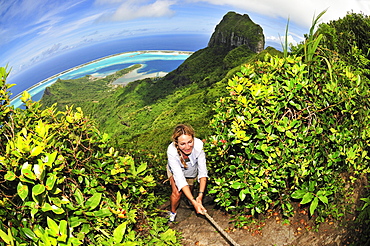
column 154, row 64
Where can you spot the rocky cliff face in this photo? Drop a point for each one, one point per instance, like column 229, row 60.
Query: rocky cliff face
column 235, row 30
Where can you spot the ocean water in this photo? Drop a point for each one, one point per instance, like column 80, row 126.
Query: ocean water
column 153, row 62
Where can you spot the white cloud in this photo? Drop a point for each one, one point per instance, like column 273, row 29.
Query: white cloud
column 129, row 10
column 52, row 50
column 281, row 40
column 74, row 25
column 300, row 12
column 29, row 17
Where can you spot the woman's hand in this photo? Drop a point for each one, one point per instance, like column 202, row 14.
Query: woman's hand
column 197, row 203
column 199, row 198
column 199, row 207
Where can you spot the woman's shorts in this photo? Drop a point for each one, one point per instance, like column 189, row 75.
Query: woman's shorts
column 189, row 180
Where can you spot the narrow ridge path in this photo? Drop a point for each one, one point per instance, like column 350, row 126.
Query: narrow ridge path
column 197, row 230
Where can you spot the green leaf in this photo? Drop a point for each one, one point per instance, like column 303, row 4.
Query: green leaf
column 264, row 147
column 46, row 207
column 50, row 182
column 76, row 221
column 69, row 119
column 307, row 198
column 104, row 212
column 22, row 191
column 148, row 179
column 10, row 176
column 243, row 194
column 74, row 241
column 37, row 150
column 298, row 106
column 56, row 201
column 7, row 238
column 253, row 121
column 38, row 230
column 62, row 231
column 79, row 197
column 319, row 130
column 239, row 89
column 30, row 175
column 289, row 134
column 237, row 185
column 93, row 201
column 298, row 194
column 119, row 232
column 141, row 168
column 53, row 226
column 50, row 158
column 169, row 236
column 27, row 172
column 30, row 234
column 57, row 210
column 38, row 189
column 312, row 185
column 56, row 191
column 313, row 205
column 323, row 199
column 41, row 129
column 25, row 96
column 133, row 168
column 280, row 128
column 118, row 198
column 90, row 214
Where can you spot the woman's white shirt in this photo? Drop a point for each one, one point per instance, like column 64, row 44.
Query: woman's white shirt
column 197, row 157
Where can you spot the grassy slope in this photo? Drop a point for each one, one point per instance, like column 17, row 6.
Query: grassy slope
column 143, row 113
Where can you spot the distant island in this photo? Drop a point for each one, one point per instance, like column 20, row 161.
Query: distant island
column 34, row 89
column 132, row 74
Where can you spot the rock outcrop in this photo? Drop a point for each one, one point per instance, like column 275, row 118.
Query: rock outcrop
column 235, row 30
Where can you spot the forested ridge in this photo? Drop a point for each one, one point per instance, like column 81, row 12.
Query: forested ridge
column 281, row 130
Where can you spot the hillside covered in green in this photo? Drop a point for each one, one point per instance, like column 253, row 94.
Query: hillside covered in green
column 148, row 109
column 282, row 130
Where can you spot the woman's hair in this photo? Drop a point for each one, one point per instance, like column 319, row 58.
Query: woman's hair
column 179, row 130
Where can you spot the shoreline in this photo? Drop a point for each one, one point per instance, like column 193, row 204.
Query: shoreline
column 134, row 75
column 163, row 52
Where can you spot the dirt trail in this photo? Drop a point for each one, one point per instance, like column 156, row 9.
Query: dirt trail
column 197, row 230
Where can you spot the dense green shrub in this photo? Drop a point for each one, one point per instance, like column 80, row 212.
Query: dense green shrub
column 290, row 131
column 62, row 184
column 346, row 35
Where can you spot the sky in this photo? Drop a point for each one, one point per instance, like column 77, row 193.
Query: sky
column 32, row 31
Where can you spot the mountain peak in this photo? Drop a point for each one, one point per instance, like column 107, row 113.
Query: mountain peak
column 235, row 30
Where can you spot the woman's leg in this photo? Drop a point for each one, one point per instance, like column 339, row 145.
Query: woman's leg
column 175, row 196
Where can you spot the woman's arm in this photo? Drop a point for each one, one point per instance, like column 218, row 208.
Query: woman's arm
column 202, row 188
column 175, row 167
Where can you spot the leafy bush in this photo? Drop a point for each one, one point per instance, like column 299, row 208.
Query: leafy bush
column 290, row 131
column 347, row 35
column 62, row 184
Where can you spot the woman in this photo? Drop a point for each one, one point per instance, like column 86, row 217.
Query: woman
column 186, row 162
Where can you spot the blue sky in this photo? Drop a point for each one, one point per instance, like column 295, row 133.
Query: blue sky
column 34, row 30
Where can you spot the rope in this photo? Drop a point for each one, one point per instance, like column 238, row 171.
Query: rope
column 227, row 236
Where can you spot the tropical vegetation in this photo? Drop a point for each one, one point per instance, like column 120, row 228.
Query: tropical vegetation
column 296, row 129
column 280, row 130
